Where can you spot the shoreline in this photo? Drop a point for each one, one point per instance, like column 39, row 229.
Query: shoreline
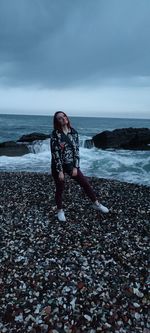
column 89, row 177
column 89, row 274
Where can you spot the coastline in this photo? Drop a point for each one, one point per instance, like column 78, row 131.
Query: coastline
column 89, row 274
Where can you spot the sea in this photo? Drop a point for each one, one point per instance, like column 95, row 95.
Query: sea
column 123, row 165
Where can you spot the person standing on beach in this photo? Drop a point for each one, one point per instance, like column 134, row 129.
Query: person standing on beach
column 65, row 160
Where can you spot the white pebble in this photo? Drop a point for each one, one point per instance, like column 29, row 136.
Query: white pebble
column 137, row 292
column 19, row 318
column 137, row 316
column 136, row 305
column 87, row 317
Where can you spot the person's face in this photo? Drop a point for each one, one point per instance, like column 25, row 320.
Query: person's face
column 62, row 119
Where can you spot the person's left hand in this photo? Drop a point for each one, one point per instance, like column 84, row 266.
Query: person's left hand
column 74, row 172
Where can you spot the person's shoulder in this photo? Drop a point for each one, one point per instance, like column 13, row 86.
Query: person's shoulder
column 73, row 131
column 54, row 133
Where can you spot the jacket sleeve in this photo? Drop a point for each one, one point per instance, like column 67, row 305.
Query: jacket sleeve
column 56, row 153
column 76, row 151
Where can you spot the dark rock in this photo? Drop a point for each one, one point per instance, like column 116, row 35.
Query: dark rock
column 88, row 143
column 11, row 148
column 33, row 137
column 124, row 138
column 19, row 148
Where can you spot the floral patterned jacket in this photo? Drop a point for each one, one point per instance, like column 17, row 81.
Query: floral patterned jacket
column 64, row 151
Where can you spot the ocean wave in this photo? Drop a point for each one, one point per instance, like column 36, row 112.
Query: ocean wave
column 124, row 165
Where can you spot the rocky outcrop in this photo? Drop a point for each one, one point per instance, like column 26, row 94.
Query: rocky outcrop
column 33, row 137
column 11, row 148
column 20, row 147
column 124, row 138
column 88, row 143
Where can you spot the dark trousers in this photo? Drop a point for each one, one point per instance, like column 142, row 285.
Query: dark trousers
column 80, row 179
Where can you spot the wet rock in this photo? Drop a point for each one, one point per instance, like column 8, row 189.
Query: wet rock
column 124, row 138
column 88, row 143
column 11, row 148
column 33, row 137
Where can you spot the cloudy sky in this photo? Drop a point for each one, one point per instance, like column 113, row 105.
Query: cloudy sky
column 87, row 57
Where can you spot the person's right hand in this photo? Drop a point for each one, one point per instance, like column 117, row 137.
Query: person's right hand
column 61, row 176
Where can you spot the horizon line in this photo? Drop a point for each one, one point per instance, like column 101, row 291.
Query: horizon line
column 75, row 116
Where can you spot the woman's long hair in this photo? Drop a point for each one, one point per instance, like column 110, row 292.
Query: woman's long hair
column 56, row 123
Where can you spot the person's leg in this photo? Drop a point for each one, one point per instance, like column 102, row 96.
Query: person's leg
column 58, row 196
column 58, row 193
column 59, row 188
column 83, row 182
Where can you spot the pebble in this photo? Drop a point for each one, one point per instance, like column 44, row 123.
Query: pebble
column 89, row 274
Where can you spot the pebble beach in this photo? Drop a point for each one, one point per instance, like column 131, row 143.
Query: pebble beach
column 88, row 274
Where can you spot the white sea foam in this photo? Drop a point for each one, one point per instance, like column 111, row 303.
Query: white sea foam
column 124, row 165
column 40, row 146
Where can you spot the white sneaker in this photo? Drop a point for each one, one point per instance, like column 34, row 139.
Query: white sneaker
column 61, row 215
column 100, row 207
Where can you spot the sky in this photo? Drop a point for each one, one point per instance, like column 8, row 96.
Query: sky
column 84, row 57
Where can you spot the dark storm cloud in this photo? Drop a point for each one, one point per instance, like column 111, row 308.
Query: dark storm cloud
column 55, row 43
